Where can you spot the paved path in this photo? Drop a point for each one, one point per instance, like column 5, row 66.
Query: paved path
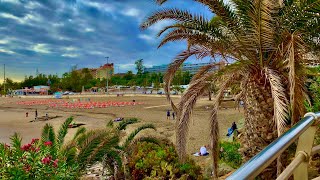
column 156, row 106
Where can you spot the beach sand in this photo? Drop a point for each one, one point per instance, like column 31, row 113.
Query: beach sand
column 153, row 110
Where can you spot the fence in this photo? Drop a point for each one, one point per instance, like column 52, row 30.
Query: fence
column 304, row 131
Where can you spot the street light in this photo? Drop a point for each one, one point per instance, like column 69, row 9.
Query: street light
column 4, row 79
column 107, row 75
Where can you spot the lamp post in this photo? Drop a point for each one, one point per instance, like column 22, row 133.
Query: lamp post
column 107, row 75
column 4, row 79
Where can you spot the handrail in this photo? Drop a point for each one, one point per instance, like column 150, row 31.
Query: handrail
column 315, row 150
column 263, row 159
column 302, row 156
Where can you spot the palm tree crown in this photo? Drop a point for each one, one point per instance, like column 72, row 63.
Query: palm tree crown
column 267, row 42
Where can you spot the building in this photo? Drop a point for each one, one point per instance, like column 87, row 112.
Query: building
column 104, row 71
column 192, row 68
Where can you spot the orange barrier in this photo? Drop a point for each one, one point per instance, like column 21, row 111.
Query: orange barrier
column 77, row 104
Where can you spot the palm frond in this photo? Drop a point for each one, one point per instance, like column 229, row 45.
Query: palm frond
column 224, row 11
column 185, row 107
column 63, row 131
column 48, row 134
column 123, row 124
column 167, row 14
column 107, row 144
column 135, row 132
column 214, row 130
column 160, row 2
column 280, row 100
column 69, row 151
column 91, row 141
column 110, row 124
column 16, row 141
column 263, row 25
column 176, row 64
column 148, row 139
column 80, row 131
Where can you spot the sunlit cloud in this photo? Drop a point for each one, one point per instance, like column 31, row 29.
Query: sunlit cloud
column 41, row 48
column 6, row 51
column 4, row 41
column 70, row 55
column 49, row 33
column 10, row 1
column 132, row 12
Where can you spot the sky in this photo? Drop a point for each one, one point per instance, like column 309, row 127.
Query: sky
column 54, row 35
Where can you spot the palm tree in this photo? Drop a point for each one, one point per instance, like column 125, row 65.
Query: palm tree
column 106, row 146
column 267, row 43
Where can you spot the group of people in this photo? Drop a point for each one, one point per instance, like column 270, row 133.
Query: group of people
column 36, row 115
column 169, row 115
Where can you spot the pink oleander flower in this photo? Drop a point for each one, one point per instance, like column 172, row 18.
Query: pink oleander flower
column 26, row 147
column 48, row 143
column 46, row 160
column 34, row 149
column 55, row 163
column 33, row 141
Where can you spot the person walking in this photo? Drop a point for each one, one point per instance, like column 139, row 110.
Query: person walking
column 168, row 114
column 173, row 115
column 36, row 115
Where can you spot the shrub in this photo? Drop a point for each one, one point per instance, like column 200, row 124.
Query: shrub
column 34, row 160
column 151, row 160
column 41, row 158
column 230, row 154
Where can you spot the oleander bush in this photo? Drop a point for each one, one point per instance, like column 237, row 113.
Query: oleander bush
column 40, row 159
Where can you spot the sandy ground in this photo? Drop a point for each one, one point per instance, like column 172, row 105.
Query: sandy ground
column 12, row 118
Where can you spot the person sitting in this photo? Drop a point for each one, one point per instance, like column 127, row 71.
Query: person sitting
column 203, row 151
column 232, row 129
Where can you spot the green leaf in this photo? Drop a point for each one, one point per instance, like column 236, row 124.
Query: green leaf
column 63, row 131
column 135, row 132
column 123, row 124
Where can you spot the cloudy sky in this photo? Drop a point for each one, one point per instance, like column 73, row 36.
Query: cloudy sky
column 53, row 35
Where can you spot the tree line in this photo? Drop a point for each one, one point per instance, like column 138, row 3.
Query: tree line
column 75, row 80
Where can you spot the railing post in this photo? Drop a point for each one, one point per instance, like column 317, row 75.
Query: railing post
column 305, row 144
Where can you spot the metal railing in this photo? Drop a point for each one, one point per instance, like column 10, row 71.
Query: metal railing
column 304, row 130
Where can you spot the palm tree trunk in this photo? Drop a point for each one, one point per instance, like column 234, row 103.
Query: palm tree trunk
column 259, row 127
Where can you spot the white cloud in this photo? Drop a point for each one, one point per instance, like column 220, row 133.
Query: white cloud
column 59, row 24
column 159, row 26
column 101, row 6
column 11, row 1
column 96, row 53
column 33, row 5
column 126, row 67
column 89, row 30
column 70, row 55
column 9, row 16
column 4, row 41
column 41, row 48
column 146, row 37
column 24, row 20
column 70, row 48
column 132, row 12
column 6, row 51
